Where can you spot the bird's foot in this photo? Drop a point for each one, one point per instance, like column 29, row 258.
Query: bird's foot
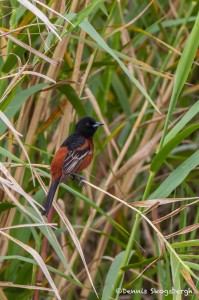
column 77, row 177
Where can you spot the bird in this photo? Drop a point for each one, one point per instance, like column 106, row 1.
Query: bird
column 73, row 156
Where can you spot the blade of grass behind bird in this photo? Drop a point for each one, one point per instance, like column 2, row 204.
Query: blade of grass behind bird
column 173, row 143
column 176, row 177
column 85, row 25
column 190, row 114
column 182, row 72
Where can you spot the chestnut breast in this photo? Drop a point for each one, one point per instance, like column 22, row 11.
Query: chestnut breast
column 88, row 158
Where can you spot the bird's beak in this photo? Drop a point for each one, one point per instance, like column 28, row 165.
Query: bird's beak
column 97, row 124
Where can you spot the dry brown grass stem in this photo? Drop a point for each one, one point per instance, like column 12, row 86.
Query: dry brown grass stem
column 29, row 48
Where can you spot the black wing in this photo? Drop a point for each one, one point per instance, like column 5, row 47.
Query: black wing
column 73, row 160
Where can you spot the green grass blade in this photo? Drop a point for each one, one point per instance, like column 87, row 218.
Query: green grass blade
column 72, row 96
column 86, row 26
column 34, row 262
column 99, row 209
column 110, row 279
column 182, row 72
column 176, row 177
column 184, row 244
column 14, row 106
column 174, row 142
column 113, row 134
column 121, row 93
column 84, row 13
column 175, row 270
column 190, row 114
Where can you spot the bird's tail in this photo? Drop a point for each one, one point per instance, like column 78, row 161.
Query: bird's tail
column 50, row 196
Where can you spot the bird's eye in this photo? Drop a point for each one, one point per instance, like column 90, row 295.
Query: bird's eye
column 88, row 124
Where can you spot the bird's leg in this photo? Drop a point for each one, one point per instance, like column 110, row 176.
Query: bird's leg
column 77, row 177
column 64, row 179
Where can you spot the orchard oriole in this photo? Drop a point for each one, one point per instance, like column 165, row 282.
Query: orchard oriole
column 74, row 155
